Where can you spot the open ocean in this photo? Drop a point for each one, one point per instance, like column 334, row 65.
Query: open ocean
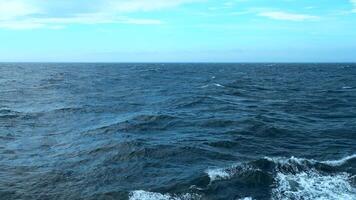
column 178, row 131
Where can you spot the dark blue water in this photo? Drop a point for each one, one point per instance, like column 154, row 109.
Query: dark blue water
column 178, row 131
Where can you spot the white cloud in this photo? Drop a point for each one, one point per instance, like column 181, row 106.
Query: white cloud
column 59, row 23
column 144, row 5
column 353, row 2
column 16, row 8
column 29, row 14
column 279, row 15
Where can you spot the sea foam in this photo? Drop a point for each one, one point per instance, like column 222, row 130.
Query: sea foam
column 312, row 185
column 340, row 161
column 144, row 195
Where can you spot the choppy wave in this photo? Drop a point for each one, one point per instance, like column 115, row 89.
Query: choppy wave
column 291, row 178
column 297, row 178
column 100, row 131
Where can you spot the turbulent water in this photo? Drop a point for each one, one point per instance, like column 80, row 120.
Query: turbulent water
column 178, row 131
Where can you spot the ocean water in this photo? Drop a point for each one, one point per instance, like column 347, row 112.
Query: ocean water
column 178, row 131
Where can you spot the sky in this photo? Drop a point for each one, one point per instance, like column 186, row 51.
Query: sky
column 177, row 31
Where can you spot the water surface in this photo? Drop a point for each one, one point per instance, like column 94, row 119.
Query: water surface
column 178, row 131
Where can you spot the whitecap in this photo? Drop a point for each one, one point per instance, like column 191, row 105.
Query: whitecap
column 218, row 174
column 339, row 162
column 144, row 195
column 300, row 161
column 218, row 85
column 312, row 185
column 246, row 198
column 214, row 84
column 346, row 87
column 284, row 161
column 228, row 172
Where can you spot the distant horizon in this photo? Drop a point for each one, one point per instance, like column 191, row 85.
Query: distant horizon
column 45, row 62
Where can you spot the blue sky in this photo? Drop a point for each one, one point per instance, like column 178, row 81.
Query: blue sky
column 178, row 30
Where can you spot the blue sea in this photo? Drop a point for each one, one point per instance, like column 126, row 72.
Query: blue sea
column 177, row 131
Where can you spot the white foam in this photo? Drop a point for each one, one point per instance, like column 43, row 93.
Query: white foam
column 313, row 186
column 218, row 174
column 300, row 161
column 339, row 162
column 246, row 198
column 218, row 85
column 228, row 172
column 346, row 87
column 144, row 195
column 284, row 161
column 214, row 84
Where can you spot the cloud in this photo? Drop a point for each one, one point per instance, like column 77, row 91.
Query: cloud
column 16, row 8
column 88, row 19
column 353, row 2
column 144, row 5
column 30, row 14
column 279, row 15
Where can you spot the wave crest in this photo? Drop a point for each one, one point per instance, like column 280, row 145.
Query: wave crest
column 296, row 178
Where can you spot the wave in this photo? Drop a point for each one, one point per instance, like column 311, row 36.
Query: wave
column 229, row 172
column 144, row 195
column 213, row 84
column 341, row 161
column 286, row 178
column 141, row 122
column 295, row 178
column 6, row 113
column 281, row 164
column 303, row 161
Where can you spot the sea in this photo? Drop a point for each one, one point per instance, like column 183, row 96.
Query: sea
column 178, row 131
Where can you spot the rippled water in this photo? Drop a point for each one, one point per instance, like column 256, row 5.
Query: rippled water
column 178, row 131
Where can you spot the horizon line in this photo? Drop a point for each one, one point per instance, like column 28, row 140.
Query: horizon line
column 168, row 62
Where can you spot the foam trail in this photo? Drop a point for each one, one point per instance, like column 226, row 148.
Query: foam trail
column 283, row 161
column 346, row 87
column 144, row 195
column 339, row 162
